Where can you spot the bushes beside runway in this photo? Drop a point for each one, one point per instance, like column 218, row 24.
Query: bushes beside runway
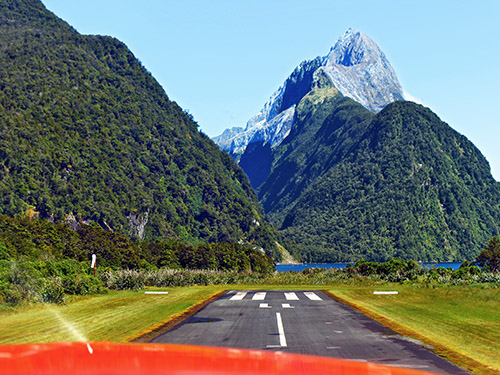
column 409, row 271
column 406, row 272
column 24, row 282
column 138, row 279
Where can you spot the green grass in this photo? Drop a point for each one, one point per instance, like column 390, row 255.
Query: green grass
column 116, row 316
column 461, row 322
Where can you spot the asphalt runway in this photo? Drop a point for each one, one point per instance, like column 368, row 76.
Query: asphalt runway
column 302, row 322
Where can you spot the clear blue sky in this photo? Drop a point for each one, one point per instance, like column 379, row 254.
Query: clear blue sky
column 222, row 59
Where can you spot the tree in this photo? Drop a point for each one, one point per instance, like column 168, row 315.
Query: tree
column 489, row 258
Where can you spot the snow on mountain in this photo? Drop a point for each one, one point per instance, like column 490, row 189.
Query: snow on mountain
column 355, row 65
column 236, row 139
column 359, row 69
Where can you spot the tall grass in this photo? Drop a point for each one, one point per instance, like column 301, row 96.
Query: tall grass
column 138, row 279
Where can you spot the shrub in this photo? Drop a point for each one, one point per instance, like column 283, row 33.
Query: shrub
column 52, row 290
column 466, row 273
column 124, row 280
column 489, row 277
column 83, row 284
column 489, row 258
column 14, row 295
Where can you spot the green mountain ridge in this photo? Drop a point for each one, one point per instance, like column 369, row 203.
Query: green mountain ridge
column 85, row 130
column 349, row 184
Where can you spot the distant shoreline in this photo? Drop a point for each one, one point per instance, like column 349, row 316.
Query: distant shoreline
column 284, row 267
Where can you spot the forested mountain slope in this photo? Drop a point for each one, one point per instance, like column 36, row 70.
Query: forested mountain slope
column 86, row 130
column 349, row 184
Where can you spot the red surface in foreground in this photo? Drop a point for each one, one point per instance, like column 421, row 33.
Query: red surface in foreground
column 111, row 358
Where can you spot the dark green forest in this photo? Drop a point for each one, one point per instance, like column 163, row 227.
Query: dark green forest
column 87, row 132
column 39, row 240
column 348, row 184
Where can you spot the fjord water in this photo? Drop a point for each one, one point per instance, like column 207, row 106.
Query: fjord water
column 303, row 266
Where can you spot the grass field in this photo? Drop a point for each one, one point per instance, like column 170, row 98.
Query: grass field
column 116, row 316
column 461, row 322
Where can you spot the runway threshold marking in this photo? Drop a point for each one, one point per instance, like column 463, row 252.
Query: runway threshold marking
column 281, row 331
column 265, row 306
column 291, row 296
column 238, row 296
column 287, row 306
column 260, row 296
column 313, row 296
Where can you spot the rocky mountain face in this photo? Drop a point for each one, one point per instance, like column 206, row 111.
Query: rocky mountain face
column 87, row 132
column 359, row 69
column 355, row 66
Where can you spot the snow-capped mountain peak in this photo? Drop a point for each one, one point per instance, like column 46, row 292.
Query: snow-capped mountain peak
column 352, row 48
column 355, row 65
column 360, row 70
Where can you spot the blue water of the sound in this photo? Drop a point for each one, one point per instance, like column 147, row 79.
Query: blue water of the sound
column 303, row 266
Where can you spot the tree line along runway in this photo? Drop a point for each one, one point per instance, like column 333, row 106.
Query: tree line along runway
column 305, row 322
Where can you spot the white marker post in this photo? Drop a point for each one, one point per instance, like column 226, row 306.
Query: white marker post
column 93, row 264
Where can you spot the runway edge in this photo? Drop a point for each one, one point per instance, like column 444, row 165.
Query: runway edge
column 150, row 333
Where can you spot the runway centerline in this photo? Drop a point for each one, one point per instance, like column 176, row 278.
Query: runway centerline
column 281, row 330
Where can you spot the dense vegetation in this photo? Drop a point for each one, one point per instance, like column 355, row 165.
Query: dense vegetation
column 44, row 262
column 40, row 240
column 348, row 184
column 489, row 257
column 41, row 261
column 86, row 131
column 395, row 270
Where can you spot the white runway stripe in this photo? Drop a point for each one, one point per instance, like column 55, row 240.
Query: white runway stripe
column 312, row 296
column 260, row 296
column 238, row 296
column 281, row 331
column 291, row 296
